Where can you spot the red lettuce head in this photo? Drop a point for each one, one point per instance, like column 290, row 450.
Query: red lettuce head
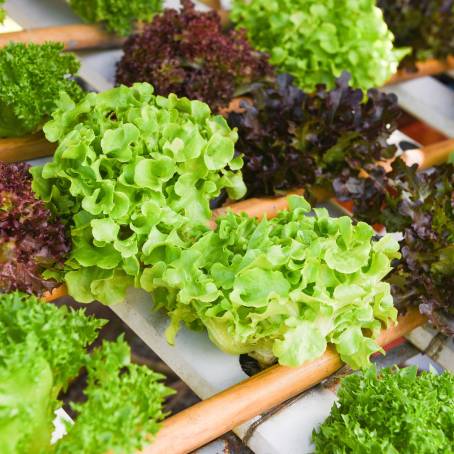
column 32, row 240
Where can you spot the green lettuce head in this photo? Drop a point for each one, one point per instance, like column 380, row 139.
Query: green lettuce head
column 38, row 359
column 281, row 288
column 315, row 41
column 133, row 177
column 43, row 348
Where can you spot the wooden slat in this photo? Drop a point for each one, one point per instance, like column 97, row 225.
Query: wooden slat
column 209, row 419
column 25, row 148
column 425, row 68
column 430, row 155
column 74, row 37
column 213, row 4
column 258, row 207
column 56, row 293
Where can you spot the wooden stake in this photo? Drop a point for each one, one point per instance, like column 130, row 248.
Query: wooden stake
column 424, row 68
column 25, row 148
column 265, row 205
column 56, row 293
column 213, row 4
column 74, row 37
column 209, row 419
column 430, row 156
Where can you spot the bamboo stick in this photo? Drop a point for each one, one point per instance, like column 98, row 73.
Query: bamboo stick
column 209, row 419
column 259, row 206
column 25, row 148
column 431, row 155
column 56, row 293
column 424, row 68
column 74, row 37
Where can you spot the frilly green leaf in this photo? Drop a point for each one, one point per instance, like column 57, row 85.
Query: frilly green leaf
column 31, row 78
column 315, row 41
column 123, row 407
column 133, row 176
column 390, row 411
column 43, row 349
column 282, row 288
column 118, row 16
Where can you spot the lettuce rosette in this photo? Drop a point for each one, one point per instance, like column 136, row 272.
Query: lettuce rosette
column 390, row 411
column 117, row 16
column 133, row 177
column 43, row 349
column 315, row 40
column 32, row 239
column 281, row 288
column 31, row 78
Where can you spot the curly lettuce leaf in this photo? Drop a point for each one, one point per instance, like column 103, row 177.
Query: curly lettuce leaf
column 31, row 78
column 391, row 411
column 281, row 288
column 315, row 41
column 27, row 399
column 119, row 16
column 32, row 240
column 24, row 317
column 43, row 348
column 188, row 52
column 133, row 177
column 292, row 139
column 123, row 407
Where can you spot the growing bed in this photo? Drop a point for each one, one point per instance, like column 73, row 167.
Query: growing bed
column 194, row 358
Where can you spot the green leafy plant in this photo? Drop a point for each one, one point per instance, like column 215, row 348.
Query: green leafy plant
column 118, row 16
column 392, row 411
column 315, row 41
column 31, row 77
column 281, row 288
column 123, row 409
column 43, row 349
column 37, row 360
column 133, row 177
column 425, row 26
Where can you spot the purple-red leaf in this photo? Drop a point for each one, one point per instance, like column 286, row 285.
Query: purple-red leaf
column 31, row 238
column 188, row 53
